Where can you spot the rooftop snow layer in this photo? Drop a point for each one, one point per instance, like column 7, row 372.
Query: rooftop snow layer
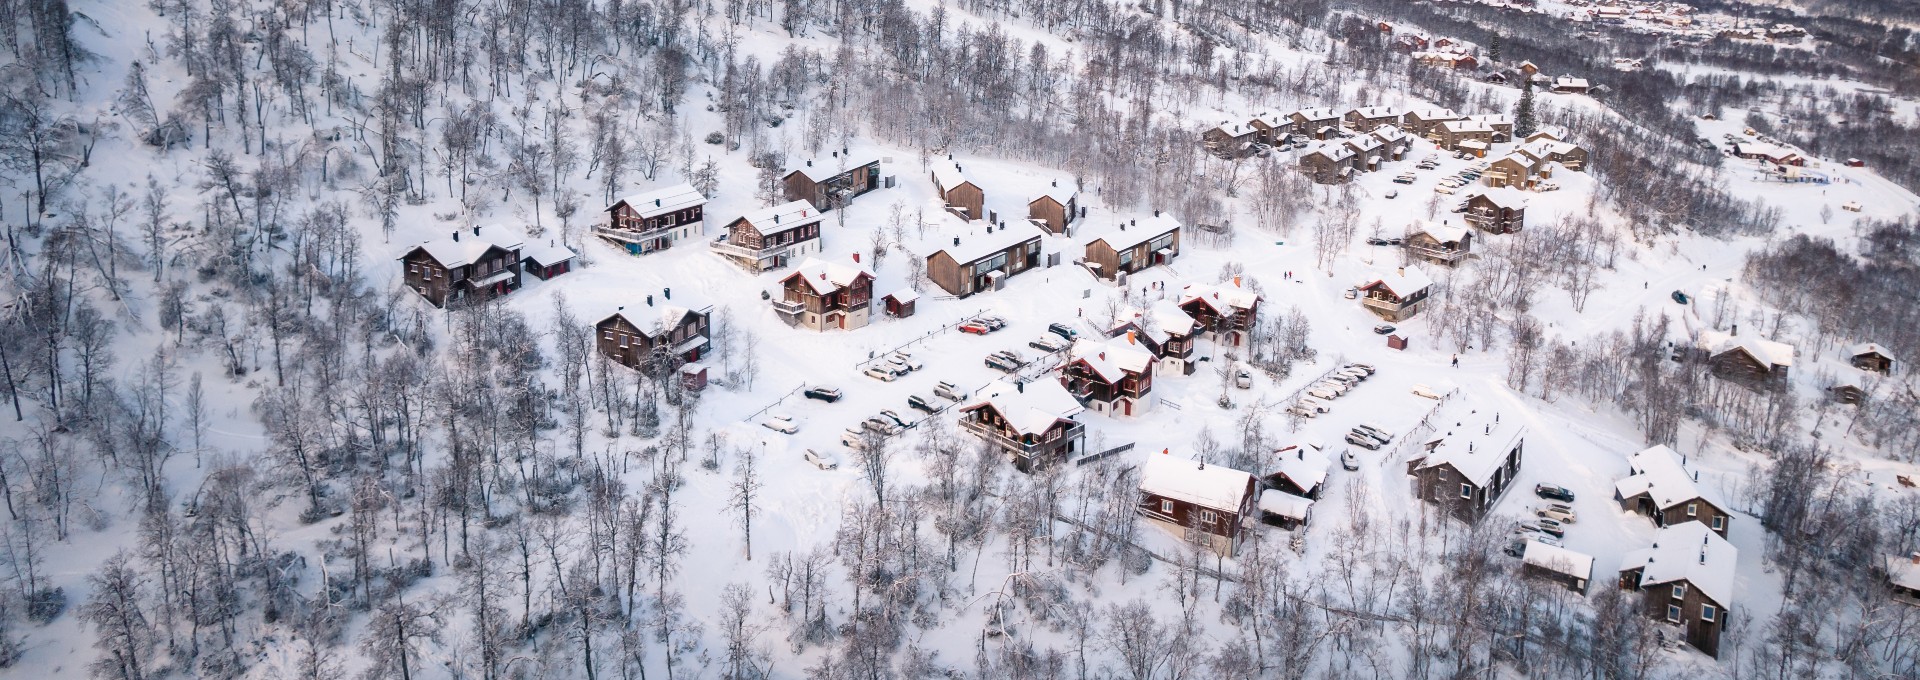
column 1222, row 298
column 977, row 238
column 1401, row 282
column 947, row 174
column 1031, row 411
column 1689, row 552
column 1181, row 479
column 1275, row 501
column 1473, row 439
column 1559, row 560
column 1656, row 471
column 823, row 169
column 662, row 200
column 1143, row 230
column 1764, row 351
column 1505, row 197
column 1160, row 321
column 1444, row 233
column 1868, row 348
column 1305, row 464
column 826, row 277
column 1113, row 360
column 784, row 217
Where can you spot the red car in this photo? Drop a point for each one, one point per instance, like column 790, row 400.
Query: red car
column 974, row 327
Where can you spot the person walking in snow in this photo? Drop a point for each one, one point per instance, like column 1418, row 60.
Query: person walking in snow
column 1456, row 361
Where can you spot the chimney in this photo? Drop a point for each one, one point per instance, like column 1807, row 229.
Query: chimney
column 656, row 203
column 1056, row 182
column 667, row 293
column 1130, row 337
column 1696, row 476
column 1203, row 465
column 836, row 154
column 1236, row 283
column 649, row 300
column 956, row 241
column 856, row 258
column 1402, row 270
column 1103, row 356
column 476, row 231
column 1916, row 558
column 949, row 156
column 776, row 219
column 809, row 162
column 1020, row 387
column 1156, row 212
column 456, row 236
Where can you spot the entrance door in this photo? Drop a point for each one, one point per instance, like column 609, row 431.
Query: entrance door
column 1126, row 406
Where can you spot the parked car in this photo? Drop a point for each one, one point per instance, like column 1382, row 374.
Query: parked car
column 1404, row 179
column 1314, row 405
column 975, row 328
column 820, row 460
column 1350, row 294
column 853, row 439
column 826, row 394
column 781, row 423
column 881, row 425
column 1384, row 329
column 1352, row 373
column 993, row 323
column 1064, row 331
column 1378, row 241
column 1557, row 512
column 881, row 373
column 896, row 365
column 1367, row 368
column 1550, row 528
column 1553, row 491
column 950, row 391
column 1322, row 393
column 1515, row 548
column 1369, row 436
column 1377, row 431
column 1047, row 343
column 1301, row 411
column 907, row 360
column 1337, row 388
column 1680, row 297
column 1002, row 363
column 1526, row 532
column 1392, row 193
column 1424, row 391
column 1243, row 380
column 889, row 414
column 922, row 403
column 1348, row 461
column 1443, row 190
column 1547, row 186
column 1363, row 442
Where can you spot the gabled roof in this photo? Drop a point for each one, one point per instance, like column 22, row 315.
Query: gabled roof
column 1547, row 148
column 904, row 295
column 1222, row 298
column 1401, row 282
column 826, row 277
column 1559, row 560
column 1656, row 472
column 1364, row 143
column 1474, row 439
column 823, row 169
column 662, row 200
column 1569, row 81
column 1030, row 409
column 1433, row 114
column 1277, row 502
column 1766, row 352
column 1111, row 360
column 656, row 321
column 782, row 218
column 1492, row 118
column 1689, row 552
column 1160, row 321
column 1208, row 486
column 1503, row 197
column 1318, row 113
column 1305, row 464
column 1903, row 571
column 1376, row 112
column 462, row 249
column 1389, row 133
column 1333, row 152
column 1460, row 126
column 1232, row 129
column 1869, row 348
column 547, row 254
column 1144, row 230
column 947, row 174
column 976, row 238
column 1444, row 233
column 1059, row 194
column 1270, row 119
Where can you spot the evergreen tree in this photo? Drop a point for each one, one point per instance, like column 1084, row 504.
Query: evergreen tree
column 1493, row 49
column 1523, row 123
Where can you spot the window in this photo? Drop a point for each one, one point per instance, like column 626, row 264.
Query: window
column 1693, row 509
column 1679, row 591
column 1206, row 516
column 413, row 269
column 609, row 336
column 1126, row 257
column 1719, row 523
column 1166, row 507
column 1708, row 612
column 1673, row 613
column 1466, row 490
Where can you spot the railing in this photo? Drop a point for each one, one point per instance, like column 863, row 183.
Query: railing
column 1016, row 446
column 1382, row 304
column 1438, row 253
column 788, row 307
column 629, row 235
column 1104, row 454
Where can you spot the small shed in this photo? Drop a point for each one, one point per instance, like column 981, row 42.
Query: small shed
column 1396, row 342
column 1856, row 163
column 1871, row 357
column 900, row 302
column 547, row 261
column 1284, row 510
column 1560, row 565
column 693, row 376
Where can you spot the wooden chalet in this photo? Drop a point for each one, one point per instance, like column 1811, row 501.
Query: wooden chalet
column 1502, row 125
column 655, row 220
column 1685, row 578
column 1452, row 58
column 1471, row 460
column 1903, row 577
column 1031, row 422
column 899, row 304
column 962, row 196
column 1184, row 495
column 1658, row 486
column 1165, row 331
column 1136, row 245
column 1318, row 123
column 482, row 266
column 1366, row 118
column 1570, row 85
column 1848, row 390
column 1055, row 209
column 1771, row 153
column 1747, row 361
column 1527, row 68
column 1396, row 140
column 832, row 182
column 1298, row 469
column 822, row 295
column 1514, row 170
column 1110, row 377
column 1497, row 211
column 1368, row 151
column 1420, row 122
column 1444, row 244
column 1871, row 357
column 1271, row 128
column 1397, row 296
column 1544, row 151
column 1228, row 313
column 982, row 258
column 771, row 238
column 1558, row 565
column 1452, row 135
column 1229, row 139
column 547, row 261
column 1330, row 164
column 655, row 338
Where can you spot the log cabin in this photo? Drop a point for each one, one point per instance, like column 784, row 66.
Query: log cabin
column 1398, row 296
column 1055, row 209
column 1570, row 85
column 1470, row 461
column 1420, row 122
column 1227, row 313
column 1330, row 164
column 1165, row 330
column 983, row 257
column 1298, row 469
column 1685, row 578
column 1211, row 501
column 1871, row 357
column 483, row 266
column 655, row 220
column 1903, row 577
column 1497, row 211
column 832, row 182
column 1558, row 565
column 655, row 338
column 1747, row 361
column 1031, row 422
column 1444, row 244
column 547, row 261
column 1366, row 118
column 771, row 238
column 1658, row 486
column 1318, row 123
column 1544, row 151
column 962, row 196
column 1135, row 245
column 826, row 295
column 1109, row 376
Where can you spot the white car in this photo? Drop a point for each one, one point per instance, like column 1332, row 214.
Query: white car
column 1314, row 405
column 905, row 359
column 1348, row 461
column 1337, row 388
column 781, row 423
column 1322, row 393
column 1301, row 411
column 881, row 373
column 1424, row 391
column 1377, row 431
column 820, row 460
column 1443, row 190
column 1047, row 342
column 853, row 439
column 1558, row 512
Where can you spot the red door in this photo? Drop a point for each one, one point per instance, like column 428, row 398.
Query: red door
column 1126, row 406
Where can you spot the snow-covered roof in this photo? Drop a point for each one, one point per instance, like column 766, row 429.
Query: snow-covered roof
column 1376, row 112
column 1492, row 118
column 1271, row 119
column 1030, row 409
column 1181, row 479
column 784, row 217
column 1112, row 359
column 1444, row 233
column 1472, row 144
column 1657, row 472
column 1221, row 297
column 654, row 321
column 1364, row 143
column 1401, row 282
column 1691, row 552
column 1305, row 464
column 947, row 174
column 823, row 169
column 1318, row 113
column 1389, row 133
column 1277, row 502
column 1764, row 351
column 1160, row 321
column 977, row 239
column 1060, row 194
column 1559, row 560
column 548, row 253
column 1904, row 571
column 1144, row 229
column 662, row 200
column 462, row 249
column 904, row 295
column 1433, row 114
column 1548, row 148
column 1773, row 152
column 1466, row 126
column 825, row 277
column 1869, row 348
column 1474, row 439
column 1332, row 152
column 1504, row 197
column 1569, row 81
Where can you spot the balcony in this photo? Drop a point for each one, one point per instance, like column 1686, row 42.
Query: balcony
column 631, row 236
column 1015, row 446
column 789, row 308
column 1438, row 254
column 721, row 246
column 1383, row 305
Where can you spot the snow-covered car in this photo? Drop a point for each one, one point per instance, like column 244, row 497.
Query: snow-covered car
column 1369, row 436
column 853, row 439
column 1378, row 241
column 881, row 425
column 1367, row 368
column 1047, row 343
column 949, row 391
column 1301, row 411
column 781, row 423
column 822, row 393
column 1526, row 532
column 975, row 328
column 1404, row 179
column 1424, row 391
column 1337, row 388
column 1384, row 329
column 1549, row 527
column 1322, row 393
column 1363, row 442
column 820, row 460
column 1377, row 431
column 1315, row 405
column 1243, row 380
column 992, row 322
column 889, row 414
column 896, row 365
column 881, row 373
column 1064, row 331
column 1443, row 190
column 1553, row 491
column 1353, row 374
column 1680, row 297
column 921, row 403
column 1349, row 461
column 907, row 360
column 1350, row 294
column 1546, row 186
column 1391, row 194
column 1558, row 512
